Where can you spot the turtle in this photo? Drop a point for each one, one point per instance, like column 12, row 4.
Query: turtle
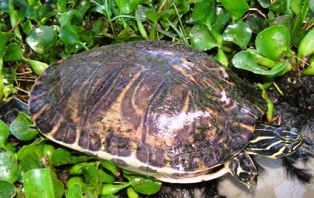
column 159, row 109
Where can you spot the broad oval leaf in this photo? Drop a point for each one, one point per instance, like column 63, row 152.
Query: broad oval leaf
column 38, row 183
column 22, row 128
column 236, row 8
column 4, row 133
column 9, row 169
column 127, row 6
column 7, row 189
column 42, row 39
column 201, row 38
column 245, row 60
column 144, row 185
column 272, row 42
column 238, row 33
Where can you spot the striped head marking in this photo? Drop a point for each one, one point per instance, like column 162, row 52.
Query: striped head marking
column 274, row 141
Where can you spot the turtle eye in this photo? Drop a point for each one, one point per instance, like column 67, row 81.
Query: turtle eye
column 287, row 140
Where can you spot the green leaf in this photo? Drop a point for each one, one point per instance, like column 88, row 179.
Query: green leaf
column 222, row 18
column 152, row 15
column 144, row 185
column 131, row 193
column 58, row 187
column 4, row 38
column 75, row 191
column 38, row 183
column 204, row 12
column 127, row 6
column 244, row 60
column 4, row 134
column 201, row 38
column 13, row 52
column 262, row 60
column 30, row 161
column 106, row 177
column 61, row 157
column 9, row 169
column 109, row 189
column 236, row 8
column 37, row 66
column 7, row 190
column 22, row 128
column 109, row 166
column 32, row 148
column 238, row 33
column 75, row 181
column 93, row 181
column 272, row 42
column 306, row 47
column 265, row 3
column 42, row 39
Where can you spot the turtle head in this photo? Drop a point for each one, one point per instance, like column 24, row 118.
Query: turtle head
column 274, row 141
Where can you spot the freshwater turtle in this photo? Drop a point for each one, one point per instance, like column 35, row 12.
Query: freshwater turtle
column 160, row 109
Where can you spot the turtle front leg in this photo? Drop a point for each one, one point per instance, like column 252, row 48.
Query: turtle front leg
column 243, row 168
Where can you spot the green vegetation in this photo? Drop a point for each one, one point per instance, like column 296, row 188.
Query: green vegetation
column 267, row 38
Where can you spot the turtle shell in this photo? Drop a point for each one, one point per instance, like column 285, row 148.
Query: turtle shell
column 157, row 108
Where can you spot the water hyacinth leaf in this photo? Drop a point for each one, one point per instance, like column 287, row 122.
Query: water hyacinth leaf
column 13, row 52
column 32, row 148
column 278, row 6
column 7, row 189
column 42, row 39
column 4, row 38
column 9, row 169
column 262, row 60
column 264, row 3
column 310, row 69
column 238, row 33
column 62, row 157
column 22, row 128
column 306, row 47
column 201, row 38
column 256, row 23
column 93, row 181
column 75, row 181
column 127, row 6
column 4, row 134
column 29, row 162
column 37, row 66
column 222, row 18
column 236, row 8
column 131, row 193
column 109, row 166
column 58, row 187
column 110, row 189
column 272, row 42
column 144, row 185
column 152, row 15
column 75, row 191
column 38, row 183
column 245, row 60
column 106, row 177
column 204, row 12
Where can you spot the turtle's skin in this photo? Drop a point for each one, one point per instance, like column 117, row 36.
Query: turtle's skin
column 156, row 108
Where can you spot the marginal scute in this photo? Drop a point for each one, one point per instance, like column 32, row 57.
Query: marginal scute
column 142, row 153
column 156, row 157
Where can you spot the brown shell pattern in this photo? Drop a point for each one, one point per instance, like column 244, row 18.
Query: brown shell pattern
column 157, row 108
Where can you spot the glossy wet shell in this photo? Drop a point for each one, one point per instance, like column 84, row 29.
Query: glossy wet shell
column 156, row 108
